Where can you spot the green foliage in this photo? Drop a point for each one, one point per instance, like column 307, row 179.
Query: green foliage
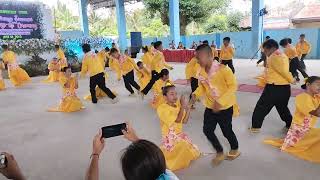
column 190, row 10
column 224, row 22
column 64, row 19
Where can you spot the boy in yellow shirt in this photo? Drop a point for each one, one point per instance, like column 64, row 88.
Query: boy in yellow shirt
column 227, row 53
column 277, row 91
column 218, row 85
column 93, row 65
column 291, row 53
column 158, row 63
column 303, row 49
column 125, row 67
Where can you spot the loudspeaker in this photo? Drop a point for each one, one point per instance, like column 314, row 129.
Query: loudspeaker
column 136, row 43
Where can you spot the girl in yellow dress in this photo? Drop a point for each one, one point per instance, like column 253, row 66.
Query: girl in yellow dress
column 164, row 80
column 303, row 138
column 176, row 146
column 69, row 102
column 54, row 70
column 144, row 75
column 2, row 85
column 17, row 75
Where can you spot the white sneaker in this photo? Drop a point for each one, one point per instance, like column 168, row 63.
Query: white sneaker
column 115, row 100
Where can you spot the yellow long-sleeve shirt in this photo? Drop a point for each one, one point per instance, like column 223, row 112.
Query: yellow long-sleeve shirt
column 9, row 57
column 291, row 52
column 103, row 55
column 62, row 58
column 226, row 53
column 303, row 48
column 144, row 77
column 158, row 62
column 93, row 64
column 123, row 68
column 192, row 68
column 147, row 59
column 277, row 71
column 305, row 103
column 222, row 88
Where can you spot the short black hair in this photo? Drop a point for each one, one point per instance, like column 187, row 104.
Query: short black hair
column 143, row 160
column 166, row 89
column 205, row 42
column 113, row 44
column 289, row 40
column 4, row 46
column 302, row 35
column 227, row 39
column 157, row 44
column 139, row 63
column 96, row 51
column 107, row 49
column 164, row 72
column 86, row 48
column 56, row 46
column 310, row 80
column 267, row 37
column 145, row 48
column 204, row 47
column 65, row 68
column 270, row 43
column 284, row 42
column 152, row 43
column 113, row 50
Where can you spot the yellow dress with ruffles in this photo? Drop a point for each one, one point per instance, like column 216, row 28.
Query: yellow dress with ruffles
column 303, row 138
column 177, row 148
column 69, row 102
column 17, row 75
column 2, row 84
column 54, row 73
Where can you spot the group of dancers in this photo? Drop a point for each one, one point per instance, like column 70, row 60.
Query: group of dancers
column 213, row 81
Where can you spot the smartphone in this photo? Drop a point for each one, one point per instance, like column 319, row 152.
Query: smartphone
column 114, row 130
column 3, row 161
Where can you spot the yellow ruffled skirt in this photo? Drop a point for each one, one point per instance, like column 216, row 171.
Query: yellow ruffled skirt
column 2, row 85
column 181, row 155
column 68, row 104
column 307, row 148
column 99, row 93
column 19, row 76
column 52, row 77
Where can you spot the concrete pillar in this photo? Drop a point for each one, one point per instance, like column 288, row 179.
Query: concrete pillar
column 257, row 25
column 174, row 20
column 121, row 22
column 83, row 4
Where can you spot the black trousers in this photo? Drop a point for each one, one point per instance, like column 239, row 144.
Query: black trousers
column 273, row 95
column 155, row 77
column 263, row 58
column 224, row 119
column 228, row 63
column 100, row 81
column 303, row 65
column 295, row 66
column 129, row 81
column 194, row 85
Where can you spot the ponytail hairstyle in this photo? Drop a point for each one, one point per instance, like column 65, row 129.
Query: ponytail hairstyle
column 310, row 80
column 145, row 48
column 164, row 72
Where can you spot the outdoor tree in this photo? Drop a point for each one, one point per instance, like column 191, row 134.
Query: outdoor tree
column 64, row 19
column 190, row 10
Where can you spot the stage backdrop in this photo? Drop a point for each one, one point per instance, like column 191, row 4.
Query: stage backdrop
column 25, row 20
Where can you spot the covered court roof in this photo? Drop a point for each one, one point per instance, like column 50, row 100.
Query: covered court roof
column 107, row 3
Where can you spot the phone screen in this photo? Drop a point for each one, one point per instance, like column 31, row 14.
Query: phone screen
column 114, row 130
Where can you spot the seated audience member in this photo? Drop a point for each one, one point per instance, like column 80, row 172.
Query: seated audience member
column 194, row 45
column 180, row 46
column 11, row 169
column 142, row 160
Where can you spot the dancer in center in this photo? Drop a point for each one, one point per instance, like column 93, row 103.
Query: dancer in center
column 158, row 63
column 95, row 66
column 176, row 146
column 277, row 91
column 218, row 85
column 124, row 66
column 17, row 75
